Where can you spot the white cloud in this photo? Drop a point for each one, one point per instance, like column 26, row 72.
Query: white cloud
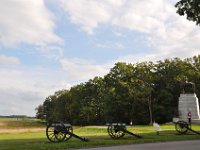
column 23, row 89
column 80, row 69
column 16, row 102
column 89, row 14
column 29, row 22
column 166, row 32
column 143, row 15
column 111, row 45
column 9, row 60
column 52, row 51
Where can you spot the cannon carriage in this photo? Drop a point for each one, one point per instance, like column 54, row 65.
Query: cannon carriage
column 182, row 127
column 118, row 130
column 58, row 131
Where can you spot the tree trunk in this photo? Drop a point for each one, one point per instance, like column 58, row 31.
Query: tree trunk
column 150, row 110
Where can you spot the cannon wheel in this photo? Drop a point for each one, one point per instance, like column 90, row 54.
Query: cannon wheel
column 181, row 127
column 55, row 133
column 67, row 137
column 114, row 132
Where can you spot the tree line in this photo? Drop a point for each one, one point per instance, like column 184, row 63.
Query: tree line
column 139, row 93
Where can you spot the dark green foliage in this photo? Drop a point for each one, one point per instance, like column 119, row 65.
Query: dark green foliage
column 163, row 109
column 190, row 8
column 141, row 93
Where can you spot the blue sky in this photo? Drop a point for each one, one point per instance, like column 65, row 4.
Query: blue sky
column 49, row 45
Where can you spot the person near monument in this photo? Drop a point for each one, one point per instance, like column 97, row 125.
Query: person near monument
column 189, row 115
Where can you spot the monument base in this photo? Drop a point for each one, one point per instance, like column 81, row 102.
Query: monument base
column 193, row 121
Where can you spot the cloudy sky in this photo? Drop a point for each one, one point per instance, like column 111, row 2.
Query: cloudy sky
column 48, row 45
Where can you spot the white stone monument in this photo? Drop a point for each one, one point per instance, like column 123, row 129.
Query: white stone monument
column 188, row 102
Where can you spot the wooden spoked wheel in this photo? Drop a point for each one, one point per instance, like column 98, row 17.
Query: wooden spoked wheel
column 55, row 132
column 181, row 127
column 114, row 132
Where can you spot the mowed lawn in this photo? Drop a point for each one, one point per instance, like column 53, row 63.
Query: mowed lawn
column 30, row 134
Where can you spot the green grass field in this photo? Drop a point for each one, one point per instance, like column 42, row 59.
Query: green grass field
column 13, row 136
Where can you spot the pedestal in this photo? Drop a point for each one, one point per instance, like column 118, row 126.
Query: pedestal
column 188, row 103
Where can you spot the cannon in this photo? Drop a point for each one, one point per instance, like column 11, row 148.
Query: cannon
column 118, row 130
column 58, row 131
column 182, row 127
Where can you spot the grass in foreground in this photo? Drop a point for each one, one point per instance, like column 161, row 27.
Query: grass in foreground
column 97, row 136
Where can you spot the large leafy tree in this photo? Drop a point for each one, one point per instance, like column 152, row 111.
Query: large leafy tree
column 190, row 8
column 116, row 96
column 92, row 102
column 127, row 93
column 144, row 73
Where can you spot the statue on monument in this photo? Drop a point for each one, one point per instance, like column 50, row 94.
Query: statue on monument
column 188, row 87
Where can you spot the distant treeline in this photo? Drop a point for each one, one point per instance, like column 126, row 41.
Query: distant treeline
column 139, row 93
column 16, row 116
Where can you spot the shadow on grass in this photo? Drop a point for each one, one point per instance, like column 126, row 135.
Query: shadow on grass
column 94, row 141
